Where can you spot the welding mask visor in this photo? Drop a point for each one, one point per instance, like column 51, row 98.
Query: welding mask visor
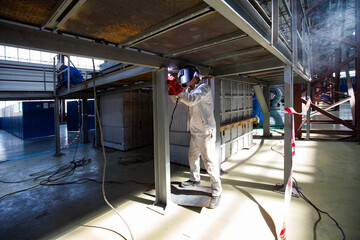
column 187, row 74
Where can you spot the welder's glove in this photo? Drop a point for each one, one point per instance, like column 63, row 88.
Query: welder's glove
column 174, row 87
column 171, row 91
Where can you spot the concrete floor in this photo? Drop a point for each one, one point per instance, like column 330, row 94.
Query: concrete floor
column 327, row 172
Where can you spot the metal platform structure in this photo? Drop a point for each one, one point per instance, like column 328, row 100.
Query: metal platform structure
column 258, row 42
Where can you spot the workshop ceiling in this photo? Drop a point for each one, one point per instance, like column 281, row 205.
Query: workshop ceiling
column 117, row 20
column 24, row 11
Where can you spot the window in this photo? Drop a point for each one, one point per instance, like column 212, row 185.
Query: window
column 11, row 53
column 2, row 52
column 24, row 55
column 34, row 56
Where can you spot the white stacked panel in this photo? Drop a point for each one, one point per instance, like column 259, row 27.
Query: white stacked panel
column 236, row 105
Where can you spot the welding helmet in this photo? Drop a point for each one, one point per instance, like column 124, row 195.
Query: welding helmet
column 186, row 74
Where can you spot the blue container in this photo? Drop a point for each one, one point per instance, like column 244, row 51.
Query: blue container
column 73, row 121
column 38, row 119
column 29, row 119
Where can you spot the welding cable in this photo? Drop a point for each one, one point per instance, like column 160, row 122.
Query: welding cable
column 51, row 178
column 272, row 148
column 25, row 180
column 104, row 228
column 23, row 190
column 21, row 181
column 104, row 156
column 302, row 195
column 87, row 180
column 172, row 115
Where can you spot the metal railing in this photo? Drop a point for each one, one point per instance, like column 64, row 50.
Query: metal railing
column 18, row 76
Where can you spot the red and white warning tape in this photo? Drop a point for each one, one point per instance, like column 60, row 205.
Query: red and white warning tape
column 289, row 186
column 74, row 140
column 77, row 135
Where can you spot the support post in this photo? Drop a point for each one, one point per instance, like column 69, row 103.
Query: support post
column 357, row 71
column 84, row 137
column 308, row 93
column 266, row 115
column 97, row 128
column 56, row 115
column 57, row 127
column 161, row 139
column 264, row 107
column 68, row 74
column 288, row 92
column 298, row 107
column 216, row 83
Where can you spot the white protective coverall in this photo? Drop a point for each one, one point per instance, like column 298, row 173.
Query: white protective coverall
column 203, row 133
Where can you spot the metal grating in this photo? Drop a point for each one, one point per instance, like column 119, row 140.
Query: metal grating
column 32, row 12
column 202, row 29
column 117, row 20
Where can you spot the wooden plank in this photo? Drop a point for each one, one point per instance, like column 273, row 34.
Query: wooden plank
column 236, row 124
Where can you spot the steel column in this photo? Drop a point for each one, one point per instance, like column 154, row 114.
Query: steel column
column 308, row 92
column 298, row 107
column 266, row 115
column 161, row 139
column 57, row 127
column 357, row 70
column 288, row 92
column 264, row 105
column 84, row 137
column 68, row 74
column 97, row 128
column 216, row 83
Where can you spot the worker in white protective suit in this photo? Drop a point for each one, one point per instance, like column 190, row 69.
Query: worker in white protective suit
column 198, row 97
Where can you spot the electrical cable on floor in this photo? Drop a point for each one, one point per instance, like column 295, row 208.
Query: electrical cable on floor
column 104, row 155
column 104, row 228
column 51, row 177
column 302, row 195
column 21, row 181
column 275, row 150
column 23, row 190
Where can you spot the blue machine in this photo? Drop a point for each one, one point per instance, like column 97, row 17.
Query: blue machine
column 276, row 112
column 75, row 76
column 74, row 119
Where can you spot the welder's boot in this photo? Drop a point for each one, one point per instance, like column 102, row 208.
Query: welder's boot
column 214, row 202
column 189, row 183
